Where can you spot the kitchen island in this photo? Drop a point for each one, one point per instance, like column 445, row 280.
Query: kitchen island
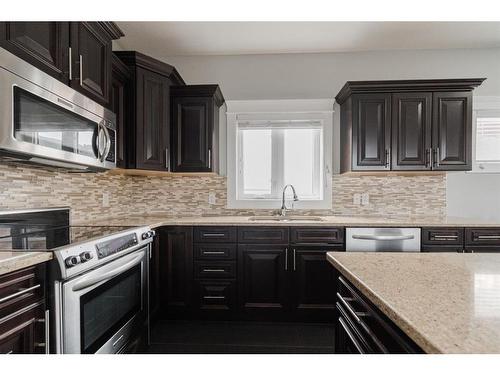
column 444, row 303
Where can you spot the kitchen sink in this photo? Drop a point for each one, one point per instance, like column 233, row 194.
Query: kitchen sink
column 285, row 218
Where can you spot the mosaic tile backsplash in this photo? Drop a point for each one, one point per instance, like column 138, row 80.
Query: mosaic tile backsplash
column 24, row 187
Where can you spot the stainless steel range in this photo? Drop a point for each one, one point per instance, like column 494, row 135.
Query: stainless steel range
column 99, row 278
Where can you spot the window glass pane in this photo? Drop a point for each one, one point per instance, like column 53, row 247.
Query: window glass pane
column 255, row 161
column 488, row 139
column 302, row 148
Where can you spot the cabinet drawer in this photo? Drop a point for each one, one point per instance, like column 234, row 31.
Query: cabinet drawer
column 443, row 236
column 215, row 251
column 24, row 332
column 266, row 235
column 216, row 295
column 215, row 234
column 316, row 235
column 215, row 270
column 482, row 237
column 21, row 288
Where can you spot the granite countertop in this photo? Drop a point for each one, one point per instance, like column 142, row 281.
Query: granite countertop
column 13, row 261
column 446, row 303
column 359, row 221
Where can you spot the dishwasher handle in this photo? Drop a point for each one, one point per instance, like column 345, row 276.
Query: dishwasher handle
column 371, row 237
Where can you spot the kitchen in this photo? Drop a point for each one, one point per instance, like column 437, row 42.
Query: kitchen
column 161, row 194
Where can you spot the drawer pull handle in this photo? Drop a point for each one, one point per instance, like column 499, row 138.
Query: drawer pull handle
column 351, row 336
column 213, row 253
column 19, row 293
column 488, row 237
column 348, row 307
column 214, row 297
column 214, row 234
column 214, row 270
column 383, row 238
column 445, row 237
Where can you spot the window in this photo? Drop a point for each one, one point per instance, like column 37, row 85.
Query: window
column 487, row 138
column 268, row 151
column 273, row 154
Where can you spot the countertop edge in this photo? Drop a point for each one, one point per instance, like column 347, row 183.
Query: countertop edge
column 425, row 344
column 22, row 260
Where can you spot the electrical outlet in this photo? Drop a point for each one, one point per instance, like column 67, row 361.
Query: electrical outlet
column 105, row 199
column 356, row 199
column 211, row 198
column 365, row 199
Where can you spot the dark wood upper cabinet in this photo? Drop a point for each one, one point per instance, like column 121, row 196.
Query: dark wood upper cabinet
column 43, row 44
column 372, row 131
column 148, row 131
column 120, row 88
column 195, row 128
column 452, row 131
column 411, row 130
column 91, row 49
column 429, row 121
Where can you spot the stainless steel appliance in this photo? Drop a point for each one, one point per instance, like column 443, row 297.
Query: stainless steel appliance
column 383, row 239
column 44, row 121
column 99, row 278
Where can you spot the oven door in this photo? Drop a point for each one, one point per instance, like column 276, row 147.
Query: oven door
column 104, row 308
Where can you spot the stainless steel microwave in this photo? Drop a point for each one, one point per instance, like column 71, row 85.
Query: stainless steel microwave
column 44, row 121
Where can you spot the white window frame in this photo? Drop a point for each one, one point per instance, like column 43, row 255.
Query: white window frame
column 316, row 111
column 483, row 105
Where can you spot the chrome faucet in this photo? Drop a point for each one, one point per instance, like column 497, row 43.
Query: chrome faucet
column 283, row 205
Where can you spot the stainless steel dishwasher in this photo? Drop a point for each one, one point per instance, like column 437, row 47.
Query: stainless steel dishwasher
column 383, row 239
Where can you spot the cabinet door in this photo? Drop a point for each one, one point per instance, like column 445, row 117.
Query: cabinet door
column 192, row 134
column 452, row 131
column 153, row 110
column 91, row 54
column 120, row 81
column 262, row 274
column 311, row 274
column 43, row 44
column 411, row 131
column 371, row 132
column 24, row 333
column 176, row 264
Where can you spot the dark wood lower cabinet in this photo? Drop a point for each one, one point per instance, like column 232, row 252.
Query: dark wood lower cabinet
column 262, row 280
column 176, row 270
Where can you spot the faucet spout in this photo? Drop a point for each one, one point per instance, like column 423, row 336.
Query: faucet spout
column 283, row 204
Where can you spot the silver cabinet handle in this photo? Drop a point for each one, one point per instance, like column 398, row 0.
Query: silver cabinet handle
column 294, row 261
column 387, row 159
column 70, row 64
column 213, row 270
column 382, row 238
column 445, row 237
column 209, row 158
column 167, row 160
column 214, row 297
column 428, row 158
column 213, row 234
column 349, row 308
column 351, row 337
column 286, row 259
column 488, row 237
column 46, row 321
column 81, row 70
column 19, row 293
column 213, row 253
column 436, row 157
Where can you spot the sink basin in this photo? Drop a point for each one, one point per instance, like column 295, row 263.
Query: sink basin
column 285, row 218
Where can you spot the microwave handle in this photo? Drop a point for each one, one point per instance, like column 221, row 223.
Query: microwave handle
column 97, row 142
column 107, row 148
column 89, row 281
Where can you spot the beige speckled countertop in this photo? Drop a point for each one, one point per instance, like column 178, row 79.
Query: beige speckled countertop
column 447, row 303
column 359, row 221
column 13, row 261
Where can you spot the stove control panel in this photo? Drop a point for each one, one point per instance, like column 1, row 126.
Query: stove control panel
column 116, row 245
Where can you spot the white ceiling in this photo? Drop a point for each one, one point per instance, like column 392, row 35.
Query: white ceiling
column 239, row 38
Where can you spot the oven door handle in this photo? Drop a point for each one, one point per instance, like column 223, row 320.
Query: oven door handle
column 89, row 281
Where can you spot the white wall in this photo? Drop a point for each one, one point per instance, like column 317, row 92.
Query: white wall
column 313, row 76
